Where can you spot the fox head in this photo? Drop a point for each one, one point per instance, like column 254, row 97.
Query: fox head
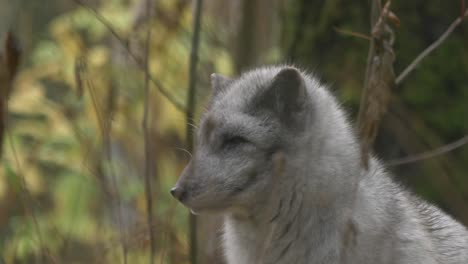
column 248, row 120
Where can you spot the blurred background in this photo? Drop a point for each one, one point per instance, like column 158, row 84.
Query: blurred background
column 75, row 153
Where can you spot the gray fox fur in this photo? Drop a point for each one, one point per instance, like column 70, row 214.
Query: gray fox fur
column 276, row 155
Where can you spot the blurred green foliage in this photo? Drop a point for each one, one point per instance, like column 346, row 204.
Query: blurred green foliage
column 61, row 196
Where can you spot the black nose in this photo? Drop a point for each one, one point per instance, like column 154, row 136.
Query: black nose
column 178, row 193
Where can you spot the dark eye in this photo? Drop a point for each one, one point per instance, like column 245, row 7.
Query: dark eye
column 233, row 141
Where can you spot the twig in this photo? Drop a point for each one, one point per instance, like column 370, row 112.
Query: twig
column 430, row 154
column 149, row 169
column 10, row 56
column 81, row 70
column 190, row 112
column 431, row 48
column 379, row 78
column 351, row 33
column 28, row 197
column 180, row 106
column 375, row 10
column 9, row 61
column 108, row 154
column 105, row 128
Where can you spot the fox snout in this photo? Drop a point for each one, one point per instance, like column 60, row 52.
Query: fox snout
column 179, row 193
column 196, row 191
column 180, row 189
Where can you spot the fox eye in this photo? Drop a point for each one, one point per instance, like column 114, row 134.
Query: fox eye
column 233, row 141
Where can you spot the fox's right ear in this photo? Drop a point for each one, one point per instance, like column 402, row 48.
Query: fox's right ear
column 219, row 83
column 286, row 95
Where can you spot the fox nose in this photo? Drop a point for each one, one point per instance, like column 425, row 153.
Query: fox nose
column 178, row 193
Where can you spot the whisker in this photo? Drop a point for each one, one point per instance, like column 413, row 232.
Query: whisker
column 192, row 125
column 184, row 150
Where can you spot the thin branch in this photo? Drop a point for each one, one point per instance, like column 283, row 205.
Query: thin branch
column 149, row 168
column 105, row 128
column 379, row 78
column 352, row 33
column 190, row 112
column 180, row 106
column 430, row 154
column 375, row 11
column 10, row 56
column 81, row 70
column 431, row 48
column 27, row 198
column 108, row 154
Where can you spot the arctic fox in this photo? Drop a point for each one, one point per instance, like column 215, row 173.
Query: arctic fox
column 276, row 155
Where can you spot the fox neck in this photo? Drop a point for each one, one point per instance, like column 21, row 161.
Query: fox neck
column 281, row 227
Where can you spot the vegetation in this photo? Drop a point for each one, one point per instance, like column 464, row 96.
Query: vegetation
column 72, row 180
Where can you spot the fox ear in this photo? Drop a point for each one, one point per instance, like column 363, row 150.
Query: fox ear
column 219, row 82
column 286, row 94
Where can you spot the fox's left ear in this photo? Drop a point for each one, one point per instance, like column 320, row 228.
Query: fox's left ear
column 287, row 93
